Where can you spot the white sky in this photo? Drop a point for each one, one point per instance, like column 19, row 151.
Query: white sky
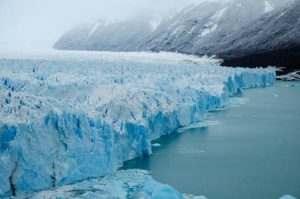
column 41, row 22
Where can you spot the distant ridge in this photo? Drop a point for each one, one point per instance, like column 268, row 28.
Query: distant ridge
column 241, row 32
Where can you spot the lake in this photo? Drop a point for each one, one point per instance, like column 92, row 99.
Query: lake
column 251, row 150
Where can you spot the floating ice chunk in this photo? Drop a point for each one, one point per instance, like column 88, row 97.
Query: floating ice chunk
column 123, row 184
column 188, row 150
column 156, row 145
column 201, row 124
column 191, row 196
column 157, row 190
column 287, row 197
column 237, row 101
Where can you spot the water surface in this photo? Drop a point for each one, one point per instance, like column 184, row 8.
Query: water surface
column 252, row 152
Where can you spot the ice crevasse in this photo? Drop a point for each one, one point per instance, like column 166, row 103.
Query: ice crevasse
column 64, row 121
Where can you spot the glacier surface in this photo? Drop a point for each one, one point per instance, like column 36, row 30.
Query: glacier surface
column 68, row 117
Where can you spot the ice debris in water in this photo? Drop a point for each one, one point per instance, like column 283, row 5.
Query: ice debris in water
column 194, row 197
column 189, row 150
column 237, row 101
column 287, row 197
column 64, row 119
column 200, row 124
column 122, row 184
column 156, row 145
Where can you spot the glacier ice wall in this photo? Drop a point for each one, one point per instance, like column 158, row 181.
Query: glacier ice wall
column 63, row 121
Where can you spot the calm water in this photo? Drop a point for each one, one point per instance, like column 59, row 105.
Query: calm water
column 253, row 151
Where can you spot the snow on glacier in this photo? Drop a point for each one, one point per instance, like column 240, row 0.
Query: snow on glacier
column 70, row 116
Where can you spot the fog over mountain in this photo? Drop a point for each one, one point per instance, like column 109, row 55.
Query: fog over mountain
column 36, row 22
column 187, row 31
column 234, row 30
column 275, row 40
column 241, row 32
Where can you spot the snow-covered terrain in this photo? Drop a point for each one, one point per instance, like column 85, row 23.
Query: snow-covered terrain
column 294, row 76
column 273, row 39
column 70, row 116
column 140, row 57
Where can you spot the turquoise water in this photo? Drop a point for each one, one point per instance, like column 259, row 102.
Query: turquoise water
column 252, row 152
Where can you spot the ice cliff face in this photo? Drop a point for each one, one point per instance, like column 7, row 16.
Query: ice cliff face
column 65, row 120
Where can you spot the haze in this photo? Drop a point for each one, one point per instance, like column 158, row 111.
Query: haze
column 42, row 22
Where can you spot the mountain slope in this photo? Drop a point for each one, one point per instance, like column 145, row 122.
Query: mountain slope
column 242, row 32
column 115, row 36
column 194, row 26
column 274, row 39
column 192, row 30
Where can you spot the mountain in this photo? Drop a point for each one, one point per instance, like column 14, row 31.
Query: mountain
column 241, row 32
column 107, row 36
column 186, row 31
column 273, row 39
column 191, row 30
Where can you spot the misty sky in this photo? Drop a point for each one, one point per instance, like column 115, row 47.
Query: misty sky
column 41, row 22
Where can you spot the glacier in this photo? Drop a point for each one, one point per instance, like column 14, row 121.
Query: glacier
column 71, row 116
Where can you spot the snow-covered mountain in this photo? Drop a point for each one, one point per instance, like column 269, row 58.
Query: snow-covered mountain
column 273, row 39
column 106, row 35
column 234, row 30
column 187, row 31
column 193, row 29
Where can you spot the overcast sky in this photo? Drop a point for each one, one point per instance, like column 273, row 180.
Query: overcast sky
column 41, row 22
